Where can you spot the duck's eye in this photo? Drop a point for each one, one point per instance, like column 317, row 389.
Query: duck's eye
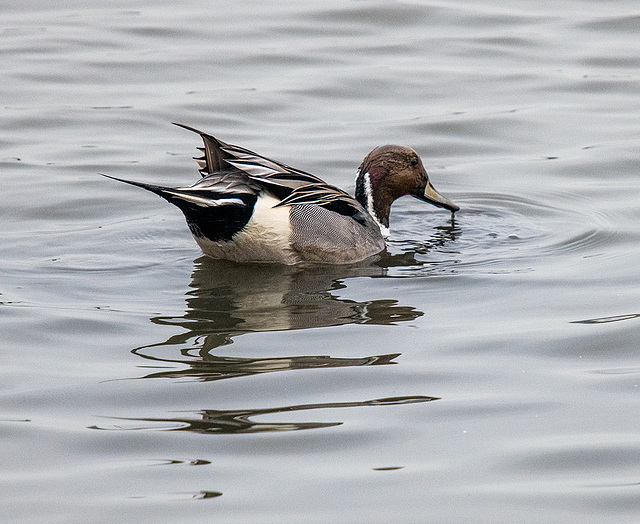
column 414, row 161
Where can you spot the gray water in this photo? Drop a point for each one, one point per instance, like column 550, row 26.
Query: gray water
column 486, row 370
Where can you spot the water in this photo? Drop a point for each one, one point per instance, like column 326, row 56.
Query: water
column 486, row 370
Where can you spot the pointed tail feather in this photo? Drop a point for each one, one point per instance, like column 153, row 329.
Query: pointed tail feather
column 158, row 190
column 184, row 197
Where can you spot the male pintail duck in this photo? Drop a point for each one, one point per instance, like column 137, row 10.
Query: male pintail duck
column 249, row 208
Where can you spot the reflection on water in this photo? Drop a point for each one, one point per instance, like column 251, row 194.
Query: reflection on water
column 187, row 462
column 211, row 421
column 212, row 367
column 181, row 495
column 442, row 235
column 207, row 495
column 230, row 299
column 227, row 300
column 606, row 320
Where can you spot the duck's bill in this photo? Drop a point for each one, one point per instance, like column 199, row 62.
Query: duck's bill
column 433, row 197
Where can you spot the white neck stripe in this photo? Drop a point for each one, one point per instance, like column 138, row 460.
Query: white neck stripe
column 369, row 193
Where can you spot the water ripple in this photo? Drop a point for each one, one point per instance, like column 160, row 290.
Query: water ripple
column 499, row 232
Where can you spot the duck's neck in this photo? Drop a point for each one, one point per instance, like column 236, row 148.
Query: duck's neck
column 366, row 196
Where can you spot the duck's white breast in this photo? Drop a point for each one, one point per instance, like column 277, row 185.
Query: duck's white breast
column 266, row 237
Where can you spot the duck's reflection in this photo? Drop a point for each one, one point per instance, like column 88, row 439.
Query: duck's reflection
column 230, row 299
column 212, row 421
column 212, row 367
column 227, row 300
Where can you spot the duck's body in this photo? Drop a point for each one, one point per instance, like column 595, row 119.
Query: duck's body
column 248, row 208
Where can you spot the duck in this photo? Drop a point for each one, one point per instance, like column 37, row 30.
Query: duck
column 249, row 208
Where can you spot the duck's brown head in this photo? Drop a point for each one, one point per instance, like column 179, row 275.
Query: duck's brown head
column 389, row 172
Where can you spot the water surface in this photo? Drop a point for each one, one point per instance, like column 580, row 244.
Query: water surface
column 484, row 370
